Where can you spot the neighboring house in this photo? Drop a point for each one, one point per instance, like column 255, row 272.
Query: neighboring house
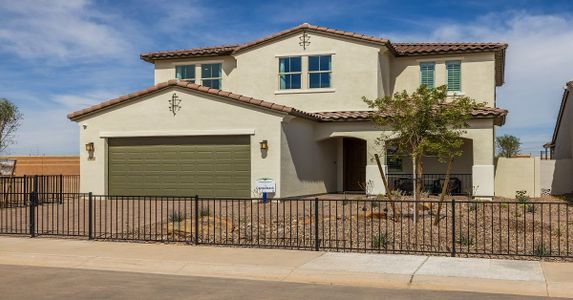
column 286, row 107
column 561, row 147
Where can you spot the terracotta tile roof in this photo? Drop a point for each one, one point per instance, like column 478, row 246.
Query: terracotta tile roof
column 195, row 52
column 498, row 113
column 308, row 27
column 405, row 49
column 74, row 116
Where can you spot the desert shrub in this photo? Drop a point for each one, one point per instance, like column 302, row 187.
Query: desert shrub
column 472, row 206
column 176, row 217
column 521, row 196
column 465, row 240
column 204, row 212
column 530, row 208
column 380, row 241
column 541, row 250
column 374, row 204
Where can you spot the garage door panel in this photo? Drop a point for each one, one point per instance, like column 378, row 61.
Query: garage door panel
column 185, row 166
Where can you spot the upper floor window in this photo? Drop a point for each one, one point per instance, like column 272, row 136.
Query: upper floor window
column 186, row 72
column 319, row 70
column 290, row 69
column 211, row 75
column 454, row 75
column 427, row 74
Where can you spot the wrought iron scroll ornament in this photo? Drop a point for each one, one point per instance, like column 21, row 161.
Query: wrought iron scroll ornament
column 174, row 102
column 304, row 40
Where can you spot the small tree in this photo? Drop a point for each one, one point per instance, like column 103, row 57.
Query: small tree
column 10, row 118
column 507, row 145
column 424, row 122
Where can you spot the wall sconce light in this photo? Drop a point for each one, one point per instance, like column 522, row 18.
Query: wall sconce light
column 90, row 148
column 264, row 145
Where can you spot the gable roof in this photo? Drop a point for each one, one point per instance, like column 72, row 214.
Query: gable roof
column 484, row 112
column 74, row 116
column 319, row 29
column 566, row 93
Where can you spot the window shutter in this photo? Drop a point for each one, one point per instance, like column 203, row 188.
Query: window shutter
column 454, row 70
column 427, row 74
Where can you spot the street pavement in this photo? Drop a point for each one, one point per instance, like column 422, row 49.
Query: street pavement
column 25, row 282
column 348, row 270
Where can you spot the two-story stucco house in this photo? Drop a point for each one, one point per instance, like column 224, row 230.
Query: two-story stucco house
column 286, row 107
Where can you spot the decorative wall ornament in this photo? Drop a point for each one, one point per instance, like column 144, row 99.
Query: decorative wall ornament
column 304, row 40
column 174, row 102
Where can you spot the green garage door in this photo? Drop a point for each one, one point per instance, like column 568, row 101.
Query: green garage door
column 214, row 166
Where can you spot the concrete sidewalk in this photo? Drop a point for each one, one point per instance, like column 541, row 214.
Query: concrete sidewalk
column 352, row 269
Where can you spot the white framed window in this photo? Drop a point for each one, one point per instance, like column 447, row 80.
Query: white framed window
column 427, row 70
column 185, row 72
column 290, row 73
column 454, row 75
column 211, row 75
column 319, row 71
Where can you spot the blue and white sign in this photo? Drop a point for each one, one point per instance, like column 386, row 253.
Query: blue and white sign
column 265, row 185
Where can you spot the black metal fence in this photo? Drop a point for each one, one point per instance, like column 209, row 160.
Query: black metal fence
column 14, row 189
column 459, row 184
column 470, row 228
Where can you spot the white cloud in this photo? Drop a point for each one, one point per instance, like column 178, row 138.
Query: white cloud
column 539, row 62
column 58, row 29
column 72, row 102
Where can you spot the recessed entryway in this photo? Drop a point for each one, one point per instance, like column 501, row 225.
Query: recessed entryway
column 354, row 164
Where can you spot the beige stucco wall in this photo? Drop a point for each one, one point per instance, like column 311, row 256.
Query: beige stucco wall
column 358, row 69
column 564, row 140
column 561, row 176
column 354, row 73
column 478, row 74
column 199, row 115
column 307, row 166
column 518, row 174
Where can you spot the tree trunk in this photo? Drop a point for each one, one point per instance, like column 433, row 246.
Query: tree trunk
column 444, row 189
column 415, row 185
column 386, row 186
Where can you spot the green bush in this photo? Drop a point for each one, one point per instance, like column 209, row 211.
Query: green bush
column 204, row 212
column 176, row 217
column 465, row 240
column 521, row 196
column 380, row 241
column 541, row 250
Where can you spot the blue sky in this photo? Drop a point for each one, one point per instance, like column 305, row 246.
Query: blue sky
column 57, row 56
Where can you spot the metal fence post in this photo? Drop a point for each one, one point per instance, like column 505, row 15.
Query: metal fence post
column 90, row 217
column 32, row 215
column 61, row 189
column 316, row 237
column 196, row 219
column 453, row 227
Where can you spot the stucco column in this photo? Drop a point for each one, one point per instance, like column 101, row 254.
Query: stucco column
column 483, row 169
column 373, row 177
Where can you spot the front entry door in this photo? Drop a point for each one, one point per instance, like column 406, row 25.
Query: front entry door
column 354, row 164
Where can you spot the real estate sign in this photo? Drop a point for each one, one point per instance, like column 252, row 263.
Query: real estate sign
column 265, row 185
